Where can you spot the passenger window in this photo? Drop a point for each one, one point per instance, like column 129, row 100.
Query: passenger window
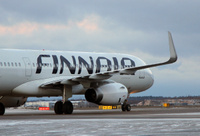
column 12, row 64
column 1, row 64
column 8, row 64
column 15, row 64
column 19, row 64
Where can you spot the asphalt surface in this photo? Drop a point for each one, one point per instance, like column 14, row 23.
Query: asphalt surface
column 135, row 113
column 181, row 121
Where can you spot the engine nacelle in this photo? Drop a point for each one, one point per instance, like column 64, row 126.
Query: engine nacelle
column 107, row 94
column 9, row 101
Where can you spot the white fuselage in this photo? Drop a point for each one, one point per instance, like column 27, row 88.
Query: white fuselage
column 23, row 71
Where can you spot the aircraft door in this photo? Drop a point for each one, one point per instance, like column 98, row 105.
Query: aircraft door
column 28, row 68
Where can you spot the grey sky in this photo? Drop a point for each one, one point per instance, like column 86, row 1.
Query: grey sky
column 137, row 27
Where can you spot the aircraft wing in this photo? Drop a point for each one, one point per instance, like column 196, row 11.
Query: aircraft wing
column 106, row 75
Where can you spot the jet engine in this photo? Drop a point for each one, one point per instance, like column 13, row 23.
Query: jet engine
column 9, row 101
column 107, row 94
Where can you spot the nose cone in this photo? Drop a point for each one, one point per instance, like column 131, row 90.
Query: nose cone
column 150, row 78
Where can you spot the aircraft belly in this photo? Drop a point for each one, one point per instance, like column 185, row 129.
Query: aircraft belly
column 32, row 88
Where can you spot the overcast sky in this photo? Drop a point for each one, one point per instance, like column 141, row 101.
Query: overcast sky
column 137, row 27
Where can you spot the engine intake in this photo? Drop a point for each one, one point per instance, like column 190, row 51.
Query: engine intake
column 94, row 96
column 107, row 94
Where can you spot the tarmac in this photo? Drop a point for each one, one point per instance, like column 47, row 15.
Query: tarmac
column 149, row 121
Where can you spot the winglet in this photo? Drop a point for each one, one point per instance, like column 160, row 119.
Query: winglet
column 172, row 59
column 173, row 55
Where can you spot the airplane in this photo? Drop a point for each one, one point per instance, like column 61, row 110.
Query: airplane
column 104, row 78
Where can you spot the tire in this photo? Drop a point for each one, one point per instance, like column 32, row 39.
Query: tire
column 123, row 107
column 128, row 107
column 68, row 107
column 2, row 109
column 58, row 107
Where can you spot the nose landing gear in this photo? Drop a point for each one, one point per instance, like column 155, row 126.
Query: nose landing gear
column 125, row 106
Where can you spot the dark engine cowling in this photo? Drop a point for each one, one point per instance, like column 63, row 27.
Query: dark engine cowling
column 107, row 94
column 9, row 101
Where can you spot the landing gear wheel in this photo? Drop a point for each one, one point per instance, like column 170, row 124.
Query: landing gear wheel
column 123, row 107
column 128, row 107
column 58, row 107
column 2, row 109
column 68, row 107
